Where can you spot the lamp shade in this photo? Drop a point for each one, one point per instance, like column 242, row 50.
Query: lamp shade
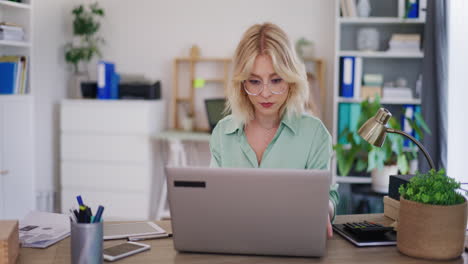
column 374, row 130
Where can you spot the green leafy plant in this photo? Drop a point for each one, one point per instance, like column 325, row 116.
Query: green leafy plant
column 302, row 42
column 432, row 188
column 85, row 27
column 363, row 157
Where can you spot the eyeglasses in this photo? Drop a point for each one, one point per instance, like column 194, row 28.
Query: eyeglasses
column 254, row 86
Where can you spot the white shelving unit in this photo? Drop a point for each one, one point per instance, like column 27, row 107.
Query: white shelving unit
column 386, row 19
column 382, row 54
column 17, row 161
column 379, row 20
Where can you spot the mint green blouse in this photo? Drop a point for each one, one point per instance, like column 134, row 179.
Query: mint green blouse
column 301, row 142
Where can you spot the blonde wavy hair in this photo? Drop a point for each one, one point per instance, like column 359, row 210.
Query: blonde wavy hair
column 266, row 39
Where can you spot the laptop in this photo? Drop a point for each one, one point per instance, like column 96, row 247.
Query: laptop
column 215, row 111
column 249, row 211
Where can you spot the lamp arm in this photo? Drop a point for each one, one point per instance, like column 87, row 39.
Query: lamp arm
column 421, row 147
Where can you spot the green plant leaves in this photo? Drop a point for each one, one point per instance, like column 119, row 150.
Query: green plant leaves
column 402, row 163
column 85, row 25
column 376, row 159
column 432, row 188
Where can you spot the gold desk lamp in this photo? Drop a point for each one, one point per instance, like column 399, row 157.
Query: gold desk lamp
column 375, row 131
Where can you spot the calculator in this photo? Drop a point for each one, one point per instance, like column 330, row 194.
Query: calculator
column 366, row 234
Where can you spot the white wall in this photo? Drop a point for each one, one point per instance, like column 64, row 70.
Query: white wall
column 145, row 36
column 457, row 90
column 52, row 29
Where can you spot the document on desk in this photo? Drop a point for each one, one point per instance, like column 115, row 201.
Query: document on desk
column 41, row 229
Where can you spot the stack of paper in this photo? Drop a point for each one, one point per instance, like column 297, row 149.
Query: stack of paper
column 11, row 32
column 405, row 43
column 40, row 229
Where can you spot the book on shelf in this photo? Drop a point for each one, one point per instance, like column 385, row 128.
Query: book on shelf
column 13, row 74
column 408, row 113
column 350, row 76
column 348, row 8
column 412, row 9
column 349, row 114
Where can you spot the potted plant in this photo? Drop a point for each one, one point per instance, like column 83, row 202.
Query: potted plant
column 86, row 44
column 432, row 217
column 361, row 157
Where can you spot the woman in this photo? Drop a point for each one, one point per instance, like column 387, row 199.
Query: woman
column 267, row 96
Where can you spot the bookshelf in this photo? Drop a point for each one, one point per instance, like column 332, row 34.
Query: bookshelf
column 17, row 163
column 387, row 18
column 185, row 92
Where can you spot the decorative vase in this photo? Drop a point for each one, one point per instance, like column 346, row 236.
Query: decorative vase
column 187, row 123
column 363, row 8
column 368, row 39
column 74, row 88
column 381, row 178
column 431, row 231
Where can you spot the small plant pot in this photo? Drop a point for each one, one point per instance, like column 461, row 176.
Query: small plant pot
column 381, row 178
column 431, row 231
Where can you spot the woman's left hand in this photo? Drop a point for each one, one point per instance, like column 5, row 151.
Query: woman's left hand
column 329, row 228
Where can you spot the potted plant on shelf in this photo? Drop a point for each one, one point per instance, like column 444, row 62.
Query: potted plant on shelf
column 432, row 217
column 85, row 46
column 361, row 157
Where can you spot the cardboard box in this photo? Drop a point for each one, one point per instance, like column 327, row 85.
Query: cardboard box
column 9, row 241
column 391, row 208
column 369, row 92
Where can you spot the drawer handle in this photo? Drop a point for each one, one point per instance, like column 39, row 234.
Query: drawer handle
column 4, row 172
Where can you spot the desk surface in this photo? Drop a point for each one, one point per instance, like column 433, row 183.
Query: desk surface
column 162, row 251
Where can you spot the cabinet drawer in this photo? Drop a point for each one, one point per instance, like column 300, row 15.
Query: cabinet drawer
column 87, row 147
column 106, row 176
column 113, row 116
column 117, row 205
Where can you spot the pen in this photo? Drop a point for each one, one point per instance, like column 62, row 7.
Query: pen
column 97, row 217
column 80, row 200
column 73, row 215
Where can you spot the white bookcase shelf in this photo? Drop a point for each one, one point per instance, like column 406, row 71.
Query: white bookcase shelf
column 382, row 101
column 382, row 54
column 379, row 20
column 14, row 4
column 353, row 179
column 9, row 43
column 18, row 189
column 387, row 18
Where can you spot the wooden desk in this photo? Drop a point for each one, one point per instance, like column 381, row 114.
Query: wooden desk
column 162, row 251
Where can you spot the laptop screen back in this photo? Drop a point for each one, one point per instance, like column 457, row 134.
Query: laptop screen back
column 215, row 111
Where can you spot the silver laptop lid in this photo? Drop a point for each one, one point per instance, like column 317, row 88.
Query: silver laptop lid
column 249, row 211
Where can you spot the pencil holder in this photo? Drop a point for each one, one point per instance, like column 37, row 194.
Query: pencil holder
column 86, row 243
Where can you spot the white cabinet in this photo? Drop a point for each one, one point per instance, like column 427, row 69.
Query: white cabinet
column 16, row 157
column 108, row 155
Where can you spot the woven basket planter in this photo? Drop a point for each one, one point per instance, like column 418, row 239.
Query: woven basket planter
column 431, row 231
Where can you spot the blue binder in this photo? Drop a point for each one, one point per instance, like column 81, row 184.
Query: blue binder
column 114, row 93
column 8, row 71
column 405, row 125
column 106, row 71
column 347, row 68
column 343, row 120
